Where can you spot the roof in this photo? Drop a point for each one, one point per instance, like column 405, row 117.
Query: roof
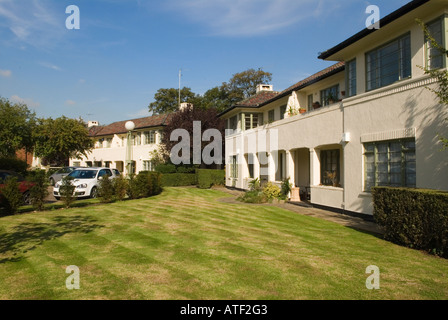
column 258, row 98
column 140, row 123
column 365, row 32
column 258, row 102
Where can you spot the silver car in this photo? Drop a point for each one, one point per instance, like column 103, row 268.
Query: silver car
column 61, row 173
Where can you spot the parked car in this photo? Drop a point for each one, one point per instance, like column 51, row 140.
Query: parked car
column 24, row 186
column 61, row 173
column 86, row 181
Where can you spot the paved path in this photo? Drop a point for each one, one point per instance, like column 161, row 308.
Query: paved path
column 342, row 219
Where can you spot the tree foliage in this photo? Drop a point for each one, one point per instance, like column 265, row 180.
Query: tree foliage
column 167, row 100
column 244, row 84
column 59, row 139
column 16, row 125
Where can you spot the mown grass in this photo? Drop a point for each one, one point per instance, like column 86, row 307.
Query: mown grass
column 185, row 244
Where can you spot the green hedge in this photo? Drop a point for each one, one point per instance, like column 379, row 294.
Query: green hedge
column 179, row 179
column 413, row 217
column 207, row 178
column 13, row 165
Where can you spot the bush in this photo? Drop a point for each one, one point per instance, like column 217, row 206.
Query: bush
column 13, row 165
column 145, row 184
column 186, row 169
column 208, row 178
column 39, row 191
column 166, row 168
column 253, row 196
column 12, row 198
column 271, row 191
column 120, row 185
column 179, row 179
column 285, row 189
column 67, row 190
column 413, row 218
column 106, row 190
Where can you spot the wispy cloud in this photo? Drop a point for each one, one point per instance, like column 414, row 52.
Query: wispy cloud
column 31, row 22
column 29, row 102
column 70, row 102
column 138, row 114
column 249, row 17
column 5, row 73
column 50, row 66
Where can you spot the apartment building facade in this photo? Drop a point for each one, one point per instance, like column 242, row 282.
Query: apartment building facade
column 370, row 119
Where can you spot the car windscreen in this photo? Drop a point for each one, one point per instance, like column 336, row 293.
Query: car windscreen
column 83, row 174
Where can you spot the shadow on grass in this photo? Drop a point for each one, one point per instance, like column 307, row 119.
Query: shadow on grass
column 28, row 236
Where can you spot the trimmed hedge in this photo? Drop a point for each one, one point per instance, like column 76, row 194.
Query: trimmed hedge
column 208, row 178
column 413, row 218
column 178, row 179
column 145, row 184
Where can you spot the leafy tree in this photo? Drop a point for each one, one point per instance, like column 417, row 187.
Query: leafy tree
column 106, row 190
column 60, row 139
column 167, row 100
column 184, row 119
column 67, row 190
column 244, row 84
column 216, row 98
column 39, row 190
column 16, row 125
column 440, row 75
column 11, row 195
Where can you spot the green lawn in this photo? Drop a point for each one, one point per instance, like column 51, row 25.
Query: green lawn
column 185, row 244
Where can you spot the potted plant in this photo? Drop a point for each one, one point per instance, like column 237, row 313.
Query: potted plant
column 316, row 105
column 331, row 98
column 302, row 110
column 292, row 111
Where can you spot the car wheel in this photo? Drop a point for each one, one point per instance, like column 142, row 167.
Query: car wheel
column 52, row 182
column 57, row 198
column 94, row 193
column 27, row 198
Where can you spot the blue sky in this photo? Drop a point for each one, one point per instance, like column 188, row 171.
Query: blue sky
column 125, row 50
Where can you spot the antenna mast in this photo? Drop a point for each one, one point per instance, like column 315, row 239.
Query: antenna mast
column 180, row 75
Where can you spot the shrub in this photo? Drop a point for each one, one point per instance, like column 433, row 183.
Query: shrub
column 255, row 185
column 106, row 189
column 208, row 178
column 13, row 165
column 285, row 189
column 271, row 191
column 67, row 190
column 178, row 179
column 413, row 218
column 253, row 196
column 166, row 168
column 120, row 185
column 39, row 191
column 145, row 184
column 12, row 198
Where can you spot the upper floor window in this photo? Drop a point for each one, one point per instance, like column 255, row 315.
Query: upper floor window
column 389, row 63
column 271, row 115
column 233, row 123
column 150, row 137
column 282, row 111
column 252, row 120
column 350, row 69
column 310, row 101
column 108, row 142
column 329, row 95
column 136, row 139
column 434, row 56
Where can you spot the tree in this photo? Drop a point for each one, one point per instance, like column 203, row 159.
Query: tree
column 185, row 119
column 61, row 139
column 244, row 84
column 16, row 125
column 167, row 100
column 216, row 98
column 440, row 75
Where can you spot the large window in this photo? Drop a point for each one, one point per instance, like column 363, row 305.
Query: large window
column 434, row 56
column 233, row 123
column 330, row 171
column 150, row 137
column 350, row 69
column 310, row 102
column 389, row 63
column 282, row 111
column 329, row 95
column 250, row 164
column 271, row 115
column 390, row 163
column 252, row 120
column 148, row 165
column 234, row 167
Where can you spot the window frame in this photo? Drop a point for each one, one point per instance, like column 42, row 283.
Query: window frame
column 441, row 20
column 326, row 92
column 349, row 68
column 323, row 165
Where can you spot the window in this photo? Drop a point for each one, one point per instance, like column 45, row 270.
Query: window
column 330, row 167
column 105, row 172
column 136, row 140
column 271, row 115
column 389, row 63
column 310, row 102
column 76, row 164
column 148, row 165
column 233, row 123
column 252, row 120
column 329, row 95
column 150, row 137
column 390, row 163
column 350, row 69
column 108, row 142
column 100, row 143
column 282, row 112
column 234, row 167
column 435, row 58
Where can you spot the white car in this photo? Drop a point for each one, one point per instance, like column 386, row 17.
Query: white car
column 86, row 181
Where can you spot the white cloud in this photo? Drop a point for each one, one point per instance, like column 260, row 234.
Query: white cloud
column 139, row 114
column 29, row 102
column 32, row 22
column 50, row 66
column 5, row 73
column 70, row 102
column 250, row 17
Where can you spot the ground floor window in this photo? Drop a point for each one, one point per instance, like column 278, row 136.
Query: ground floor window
column 148, row 165
column 330, row 174
column 390, row 163
column 250, row 164
column 234, row 167
column 76, row 164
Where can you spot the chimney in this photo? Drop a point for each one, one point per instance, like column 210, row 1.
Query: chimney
column 265, row 87
column 185, row 105
column 91, row 124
